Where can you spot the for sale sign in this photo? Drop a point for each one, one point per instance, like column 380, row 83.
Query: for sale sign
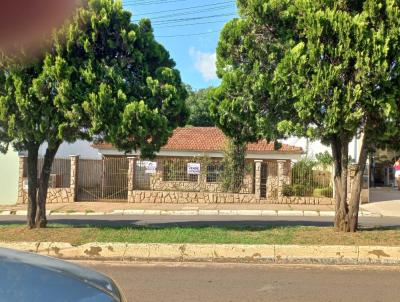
column 193, row 168
column 150, row 167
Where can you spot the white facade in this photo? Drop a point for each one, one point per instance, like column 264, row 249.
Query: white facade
column 82, row 148
column 311, row 148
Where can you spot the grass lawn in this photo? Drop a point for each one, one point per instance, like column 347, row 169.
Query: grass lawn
column 243, row 235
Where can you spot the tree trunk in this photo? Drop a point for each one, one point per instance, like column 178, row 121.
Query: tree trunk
column 41, row 221
column 340, row 157
column 356, row 187
column 33, row 151
column 346, row 216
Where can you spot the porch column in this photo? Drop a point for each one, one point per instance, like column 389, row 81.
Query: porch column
column 74, row 176
column 22, row 168
column 131, row 178
column 281, row 176
column 257, row 179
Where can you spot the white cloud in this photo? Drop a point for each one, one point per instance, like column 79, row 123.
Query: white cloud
column 204, row 62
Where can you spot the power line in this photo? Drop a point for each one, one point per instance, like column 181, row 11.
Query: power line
column 181, row 9
column 189, row 13
column 188, row 35
column 151, row 2
column 190, row 19
column 198, row 23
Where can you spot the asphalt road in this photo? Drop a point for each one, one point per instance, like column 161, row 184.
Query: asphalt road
column 240, row 282
column 121, row 220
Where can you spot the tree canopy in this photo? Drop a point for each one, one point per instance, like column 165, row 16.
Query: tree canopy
column 322, row 69
column 198, row 103
column 102, row 78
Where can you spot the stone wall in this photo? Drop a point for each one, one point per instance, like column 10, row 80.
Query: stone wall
column 301, row 200
column 54, row 195
column 178, row 197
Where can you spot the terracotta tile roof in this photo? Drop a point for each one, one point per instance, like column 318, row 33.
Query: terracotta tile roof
column 209, row 139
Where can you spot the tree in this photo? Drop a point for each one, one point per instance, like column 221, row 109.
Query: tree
column 234, row 166
column 198, row 103
column 324, row 159
column 104, row 78
column 325, row 70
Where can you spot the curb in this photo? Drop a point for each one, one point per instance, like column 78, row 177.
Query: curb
column 333, row 254
column 282, row 213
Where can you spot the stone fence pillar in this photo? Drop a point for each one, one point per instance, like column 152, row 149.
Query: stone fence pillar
column 282, row 178
column 131, row 177
column 74, row 176
column 257, row 179
column 22, row 168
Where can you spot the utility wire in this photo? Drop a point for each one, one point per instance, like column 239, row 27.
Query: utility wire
column 186, row 8
column 190, row 19
column 188, row 35
column 191, row 24
column 189, row 13
column 136, row 3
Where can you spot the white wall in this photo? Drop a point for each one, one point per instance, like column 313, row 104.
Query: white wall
column 315, row 147
column 81, row 148
column 9, row 164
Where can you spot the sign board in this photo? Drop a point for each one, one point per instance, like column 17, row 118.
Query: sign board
column 150, row 167
column 193, row 168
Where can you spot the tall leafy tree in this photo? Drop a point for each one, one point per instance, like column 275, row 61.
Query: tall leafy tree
column 323, row 69
column 103, row 77
column 198, row 103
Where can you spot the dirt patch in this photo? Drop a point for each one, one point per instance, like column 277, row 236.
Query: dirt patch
column 75, row 236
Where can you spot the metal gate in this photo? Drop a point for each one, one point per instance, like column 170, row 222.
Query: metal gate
column 105, row 179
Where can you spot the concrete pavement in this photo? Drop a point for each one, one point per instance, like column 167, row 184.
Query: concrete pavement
column 164, row 282
column 384, row 202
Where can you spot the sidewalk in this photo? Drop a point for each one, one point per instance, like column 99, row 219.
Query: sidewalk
column 109, row 208
column 384, row 202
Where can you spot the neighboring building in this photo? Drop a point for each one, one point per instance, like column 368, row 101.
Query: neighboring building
column 9, row 164
column 312, row 148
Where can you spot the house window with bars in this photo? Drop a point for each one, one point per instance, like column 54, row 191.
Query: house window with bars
column 176, row 170
column 214, row 171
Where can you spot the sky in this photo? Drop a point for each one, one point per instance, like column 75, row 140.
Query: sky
column 189, row 30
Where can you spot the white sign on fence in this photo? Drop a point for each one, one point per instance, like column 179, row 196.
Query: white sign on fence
column 193, row 168
column 150, row 167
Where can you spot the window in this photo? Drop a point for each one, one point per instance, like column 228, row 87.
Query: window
column 176, row 170
column 214, row 171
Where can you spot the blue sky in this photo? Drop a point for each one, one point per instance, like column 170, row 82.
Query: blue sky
column 189, row 30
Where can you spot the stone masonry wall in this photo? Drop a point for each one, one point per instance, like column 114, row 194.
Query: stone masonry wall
column 178, row 197
column 54, row 195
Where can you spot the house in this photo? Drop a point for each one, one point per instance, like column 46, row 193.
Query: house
column 188, row 169
column 191, row 162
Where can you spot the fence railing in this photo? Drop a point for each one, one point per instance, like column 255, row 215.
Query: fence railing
column 109, row 178
column 192, row 175
column 60, row 175
column 309, row 180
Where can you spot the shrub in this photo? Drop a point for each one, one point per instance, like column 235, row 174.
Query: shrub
column 323, row 192
column 287, row 190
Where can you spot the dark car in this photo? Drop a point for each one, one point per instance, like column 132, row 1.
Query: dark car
column 30, row 277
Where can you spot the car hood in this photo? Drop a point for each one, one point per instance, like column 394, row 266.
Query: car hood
column 66, row 269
